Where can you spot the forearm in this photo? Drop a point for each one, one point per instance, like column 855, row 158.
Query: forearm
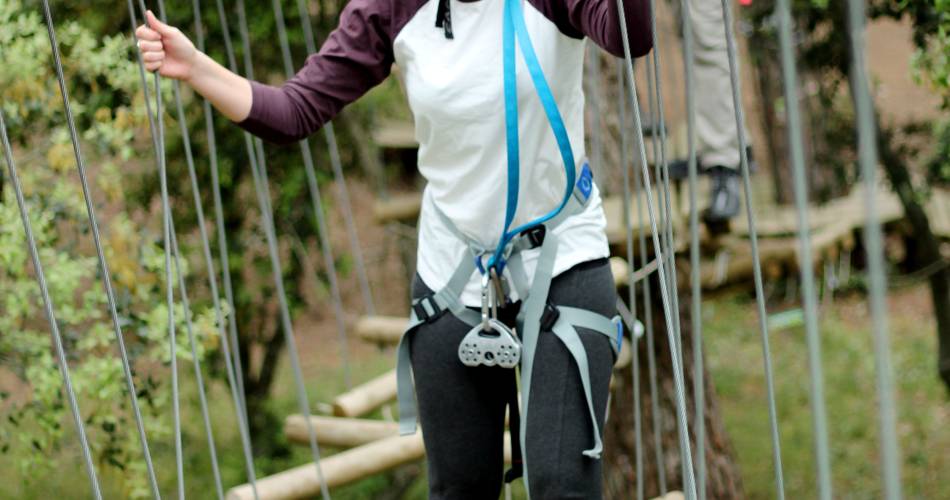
column 228, row 92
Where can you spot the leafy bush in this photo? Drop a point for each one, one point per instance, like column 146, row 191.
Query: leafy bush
column 107, row 101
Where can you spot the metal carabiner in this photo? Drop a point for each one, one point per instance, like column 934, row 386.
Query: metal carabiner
column 486, row 302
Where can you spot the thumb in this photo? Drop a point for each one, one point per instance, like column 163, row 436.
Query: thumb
column 155, row 24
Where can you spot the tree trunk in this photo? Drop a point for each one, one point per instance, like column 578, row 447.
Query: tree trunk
column 722, row 473
column 924, row 245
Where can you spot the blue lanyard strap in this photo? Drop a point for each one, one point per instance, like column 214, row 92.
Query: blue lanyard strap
column 514, row 27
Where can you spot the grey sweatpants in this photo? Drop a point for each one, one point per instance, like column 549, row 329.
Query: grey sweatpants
column 462, row 409
column 716, row 133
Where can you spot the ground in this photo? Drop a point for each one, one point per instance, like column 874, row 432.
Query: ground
column 735, row 362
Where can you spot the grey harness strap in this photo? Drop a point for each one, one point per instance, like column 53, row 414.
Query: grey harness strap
column 536, row 315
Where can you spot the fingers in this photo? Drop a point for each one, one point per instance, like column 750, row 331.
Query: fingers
column 157, row 25
column 145, row 33
column 153, row 56
column 148, row 46
column 153, row 66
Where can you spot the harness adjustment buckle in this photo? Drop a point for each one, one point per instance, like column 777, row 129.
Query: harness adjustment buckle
column 426, row 308
column 535, row 235
column 549, row 317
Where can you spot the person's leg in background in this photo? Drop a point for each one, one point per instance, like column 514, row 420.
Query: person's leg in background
column 461, row 411
column 717, row 138
column 558, row 426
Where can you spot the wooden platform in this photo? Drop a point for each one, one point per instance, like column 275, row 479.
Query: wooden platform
column 728, row 258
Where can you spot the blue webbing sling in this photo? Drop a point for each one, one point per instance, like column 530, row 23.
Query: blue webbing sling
column 514, row 26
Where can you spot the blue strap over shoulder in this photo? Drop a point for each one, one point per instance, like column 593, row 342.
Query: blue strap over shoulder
column 515, row 28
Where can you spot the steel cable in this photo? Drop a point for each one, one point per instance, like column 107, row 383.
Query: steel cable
column 50, row 314
column 754, row 244
column 806, row 261
column 680, row 399
column 100, row 254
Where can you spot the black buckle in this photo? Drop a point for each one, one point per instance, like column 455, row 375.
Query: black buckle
column 535, row 235
column 549, row 317
column 422, row 313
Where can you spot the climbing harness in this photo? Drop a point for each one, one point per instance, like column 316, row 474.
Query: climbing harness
column 490, row 342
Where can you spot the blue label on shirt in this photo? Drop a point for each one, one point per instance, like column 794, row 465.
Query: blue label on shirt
column 585, row 184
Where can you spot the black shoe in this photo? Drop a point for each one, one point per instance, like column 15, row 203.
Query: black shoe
column 724, row 197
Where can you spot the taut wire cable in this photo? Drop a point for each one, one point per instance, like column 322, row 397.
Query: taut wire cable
column 337, row 165
column 202, row 393
column 696, row 311
column 754, row 244
column 319, row 215
column 258, row 169
column 647, row 298
column 232, row 372
column 680, row 399
column 632, row 285
column 806, row 261
column 219, row 212
column 873, row 239
column 100, row 254
column 169, row 278
column 50, row 314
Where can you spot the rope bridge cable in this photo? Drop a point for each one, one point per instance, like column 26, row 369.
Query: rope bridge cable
column 666, row 214
column 100, row 254
column 699, row 422
column 337, row 165
column 319, row 215
column 662, row 173
column 754, row 244
column 689, row 479
column 647, row 299
column 219, row 214
column 50, row 314
column 873, row 240
column 240, row 410
column 181, row 284
column 169, row 290
column 258, row 169
column 790, row 86
column 202, row 396
column 632, row 286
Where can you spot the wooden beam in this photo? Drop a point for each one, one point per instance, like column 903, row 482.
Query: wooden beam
column 398, row 208
column 366, row 397
column 338, row 432
column 341, row 469
column 381, row 329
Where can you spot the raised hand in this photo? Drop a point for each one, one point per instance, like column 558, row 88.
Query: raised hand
column 166, row 49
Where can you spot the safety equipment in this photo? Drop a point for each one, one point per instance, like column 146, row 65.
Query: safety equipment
column 490, row 341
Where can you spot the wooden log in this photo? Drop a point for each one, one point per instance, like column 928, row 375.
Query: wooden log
column 620, row 270
column 624, row 358
column 341, row 469
column 673, row 495
column 366, row 397
column 394, row 134
column 381, row 329
column 338, row 432
column 398, row 208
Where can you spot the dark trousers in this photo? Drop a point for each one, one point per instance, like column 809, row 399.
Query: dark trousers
column 462, row 409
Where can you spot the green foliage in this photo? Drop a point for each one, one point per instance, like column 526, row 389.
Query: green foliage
column 107, row 102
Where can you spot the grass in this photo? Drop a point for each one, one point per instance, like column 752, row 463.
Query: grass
column 734, row 356
column 735, row 359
